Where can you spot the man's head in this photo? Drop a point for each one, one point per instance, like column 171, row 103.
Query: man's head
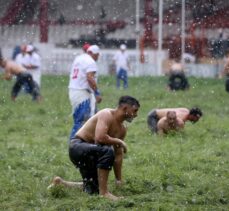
column 93, row 51
column 29, row 49
column 85, row 47
column 23, row 49
column 171, row 117
column 195, row 114
column 129, row 106
column 123, row 47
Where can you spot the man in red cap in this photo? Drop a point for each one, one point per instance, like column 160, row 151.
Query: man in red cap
column 85, row 47
column 83, row 89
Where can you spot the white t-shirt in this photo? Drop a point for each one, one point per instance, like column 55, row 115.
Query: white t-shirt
column 82, row 65
column 121, row 60
column 34, row 60
column 21, row 59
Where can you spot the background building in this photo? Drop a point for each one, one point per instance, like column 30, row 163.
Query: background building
column 60, row 27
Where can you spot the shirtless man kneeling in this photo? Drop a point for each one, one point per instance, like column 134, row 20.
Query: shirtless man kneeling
column 99, row 145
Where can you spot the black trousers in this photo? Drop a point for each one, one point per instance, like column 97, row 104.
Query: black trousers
column 88, row 158
column 227, row 84
column 25, row 79
column 178, row 81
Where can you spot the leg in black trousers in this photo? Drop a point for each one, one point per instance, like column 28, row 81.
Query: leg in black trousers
column 25, row 78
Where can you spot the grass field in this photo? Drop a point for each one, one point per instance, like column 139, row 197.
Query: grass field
column 185, row 171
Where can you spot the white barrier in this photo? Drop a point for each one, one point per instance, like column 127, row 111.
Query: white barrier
column 58, row 61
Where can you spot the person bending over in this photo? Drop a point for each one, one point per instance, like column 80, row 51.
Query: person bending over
column 169, row 123
column 99, row 145
column 23, row 77
column 177, row 78
column 183, row 114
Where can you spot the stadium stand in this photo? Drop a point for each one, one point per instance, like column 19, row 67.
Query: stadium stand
column 110, row 23
column 4, row 6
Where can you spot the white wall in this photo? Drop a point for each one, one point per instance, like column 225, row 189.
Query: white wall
column 58, row 61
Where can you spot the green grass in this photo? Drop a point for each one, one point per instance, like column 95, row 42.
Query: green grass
column 185, row 171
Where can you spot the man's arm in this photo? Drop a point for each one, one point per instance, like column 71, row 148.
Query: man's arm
column 226, row 69
column 180, row 123
column 128, row 63
column 119, row 154
column 161, row 126
column 101, row 136
column 30, row 66
column 34, row 63
column 92, row 83
column 103, row 125
column 118, row 165
column 91, row 80
column 7, row 75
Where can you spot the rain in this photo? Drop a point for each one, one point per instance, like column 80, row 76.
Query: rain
column 166, row 54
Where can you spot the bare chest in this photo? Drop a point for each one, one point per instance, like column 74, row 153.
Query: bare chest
column 117, row 130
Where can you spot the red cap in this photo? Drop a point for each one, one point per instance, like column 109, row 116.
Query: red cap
column 86, row 46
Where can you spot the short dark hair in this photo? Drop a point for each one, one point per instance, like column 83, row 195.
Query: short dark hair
column 196, row 112
column 128, row 100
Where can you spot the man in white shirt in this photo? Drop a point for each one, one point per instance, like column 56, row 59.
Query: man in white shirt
column 11, row 69
column 83, row 90
column 121, row 60
column 20, row 58
column 33, row 64
column 31, row 61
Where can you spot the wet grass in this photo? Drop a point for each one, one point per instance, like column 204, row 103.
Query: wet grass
column 186, row 171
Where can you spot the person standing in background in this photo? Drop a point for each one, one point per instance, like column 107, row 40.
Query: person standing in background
column 33, row 64
column 21, row 57
column 83, row 89
column 177, row 77
column 121, row 60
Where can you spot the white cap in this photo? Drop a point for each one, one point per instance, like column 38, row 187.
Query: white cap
column 29, row 48
column 94, row 49
column 123, row 47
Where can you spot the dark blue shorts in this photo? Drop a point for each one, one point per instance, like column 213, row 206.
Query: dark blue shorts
column 152, row 120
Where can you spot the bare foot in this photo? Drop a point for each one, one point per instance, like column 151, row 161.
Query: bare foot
column 112, row 197
column 119, row 183
column 55, row 181
column 13, row 99
column 39, row 99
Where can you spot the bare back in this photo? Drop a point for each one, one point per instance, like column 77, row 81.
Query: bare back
column 164, row 127
column 103, row 122
column 12, row 68
column 181, row 113
column 177, row 67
